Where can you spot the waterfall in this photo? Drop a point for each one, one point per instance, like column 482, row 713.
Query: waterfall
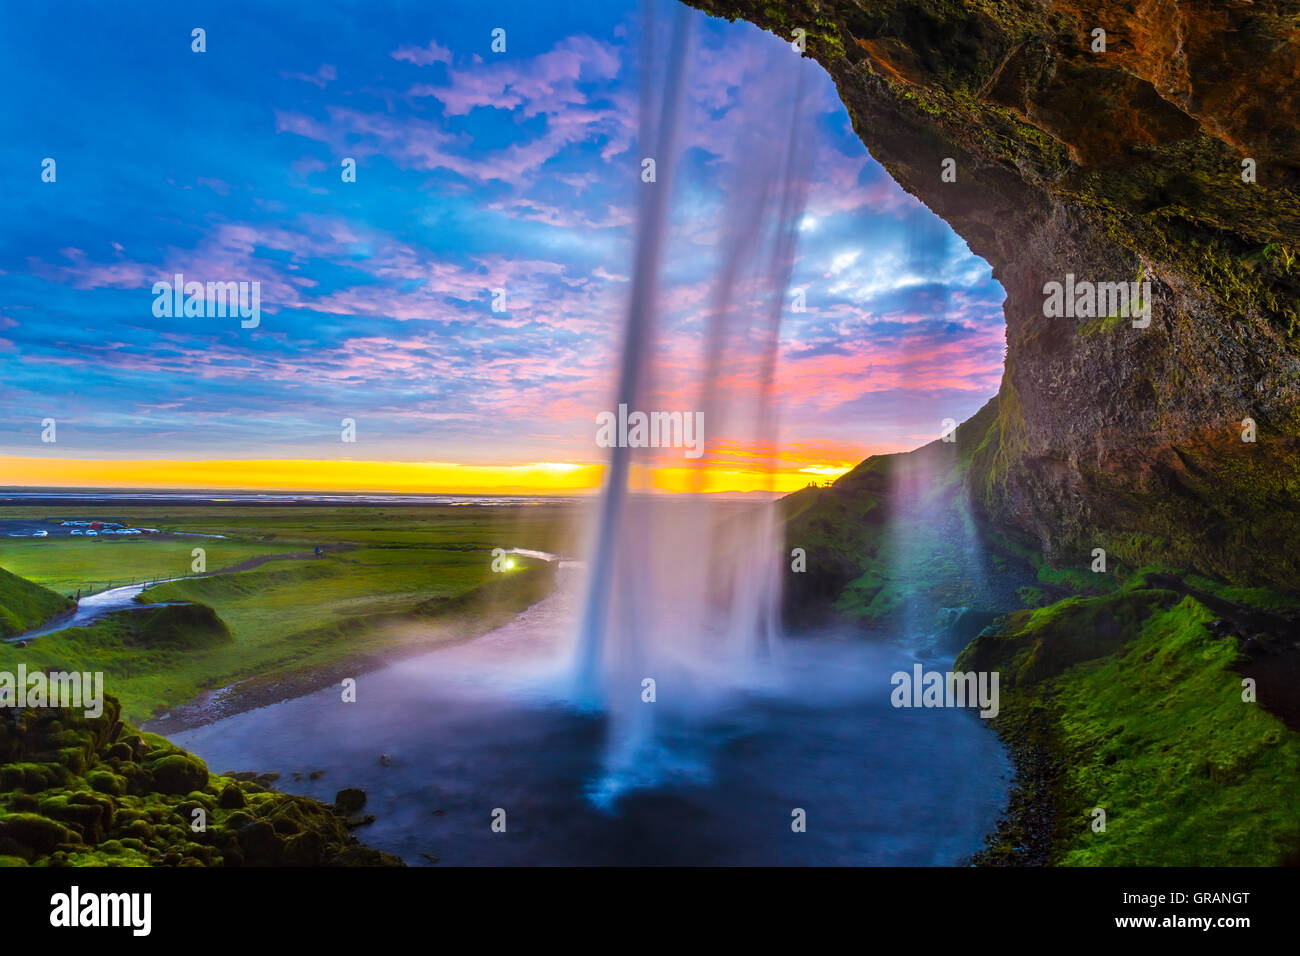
column 683, row 597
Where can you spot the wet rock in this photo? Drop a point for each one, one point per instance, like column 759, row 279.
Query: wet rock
column 365, row 856
column 305, row 849
column 259, row 843
column 349, row 801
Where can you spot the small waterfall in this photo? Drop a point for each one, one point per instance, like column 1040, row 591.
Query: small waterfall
column 935, row 558
column 684, row 591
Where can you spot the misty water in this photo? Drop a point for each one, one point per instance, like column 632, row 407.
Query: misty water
column 491, row 724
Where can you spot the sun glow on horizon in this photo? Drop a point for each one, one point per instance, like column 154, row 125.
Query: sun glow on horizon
column 412, row 477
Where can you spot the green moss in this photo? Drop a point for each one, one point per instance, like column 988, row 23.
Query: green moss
column 1140, row 708
column 1189, row 774
column 1078, row 580
column 1265, row 599
column 178, row 773
column 1030, row 597
column 93, row 820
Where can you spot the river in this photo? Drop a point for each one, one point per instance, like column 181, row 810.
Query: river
column 91, row 608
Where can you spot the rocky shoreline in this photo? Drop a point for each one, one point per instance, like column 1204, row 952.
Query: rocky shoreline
column 78, row 791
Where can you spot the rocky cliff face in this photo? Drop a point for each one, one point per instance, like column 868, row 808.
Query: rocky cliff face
column 1117, row 165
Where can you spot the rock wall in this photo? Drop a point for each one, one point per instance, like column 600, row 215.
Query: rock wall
column 1114, row 166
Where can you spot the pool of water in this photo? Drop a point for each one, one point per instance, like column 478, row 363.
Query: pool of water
column 443, row 741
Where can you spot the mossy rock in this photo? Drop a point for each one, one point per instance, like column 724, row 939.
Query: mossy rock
column 87, row 818
column 179, row 773
column 232, row 798
column 74, row 759
column 259, row 843
column 29, row 835
column 364, row 856
column 121, row 751
column 305, row 849
column 106, row 782
column 141, row 830
column 349, row 801
column 238, row 820
column 77, row 791
column 139, row 780
column 23, row 802
column 32, row 777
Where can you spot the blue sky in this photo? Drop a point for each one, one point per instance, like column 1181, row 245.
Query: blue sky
column 475, row 170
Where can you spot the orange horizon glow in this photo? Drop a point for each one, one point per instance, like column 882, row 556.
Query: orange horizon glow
column 410, row 477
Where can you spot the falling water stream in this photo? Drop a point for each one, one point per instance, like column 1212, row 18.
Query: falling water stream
column 682, row 601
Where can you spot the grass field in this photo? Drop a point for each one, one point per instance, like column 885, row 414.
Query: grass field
column 391, row 579
column 66, row 564
column 87, row 565
column 24, row 605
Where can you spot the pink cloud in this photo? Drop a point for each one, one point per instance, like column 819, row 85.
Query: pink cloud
column 322, row 77
column 423, row 56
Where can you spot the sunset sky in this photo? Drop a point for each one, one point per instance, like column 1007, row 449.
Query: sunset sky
column 475, row 170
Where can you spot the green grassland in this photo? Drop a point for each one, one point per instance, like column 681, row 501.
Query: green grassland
column 25, row 605
column 391, row 580
column 65, row 564
column 1137, row 706
column 87, row 565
